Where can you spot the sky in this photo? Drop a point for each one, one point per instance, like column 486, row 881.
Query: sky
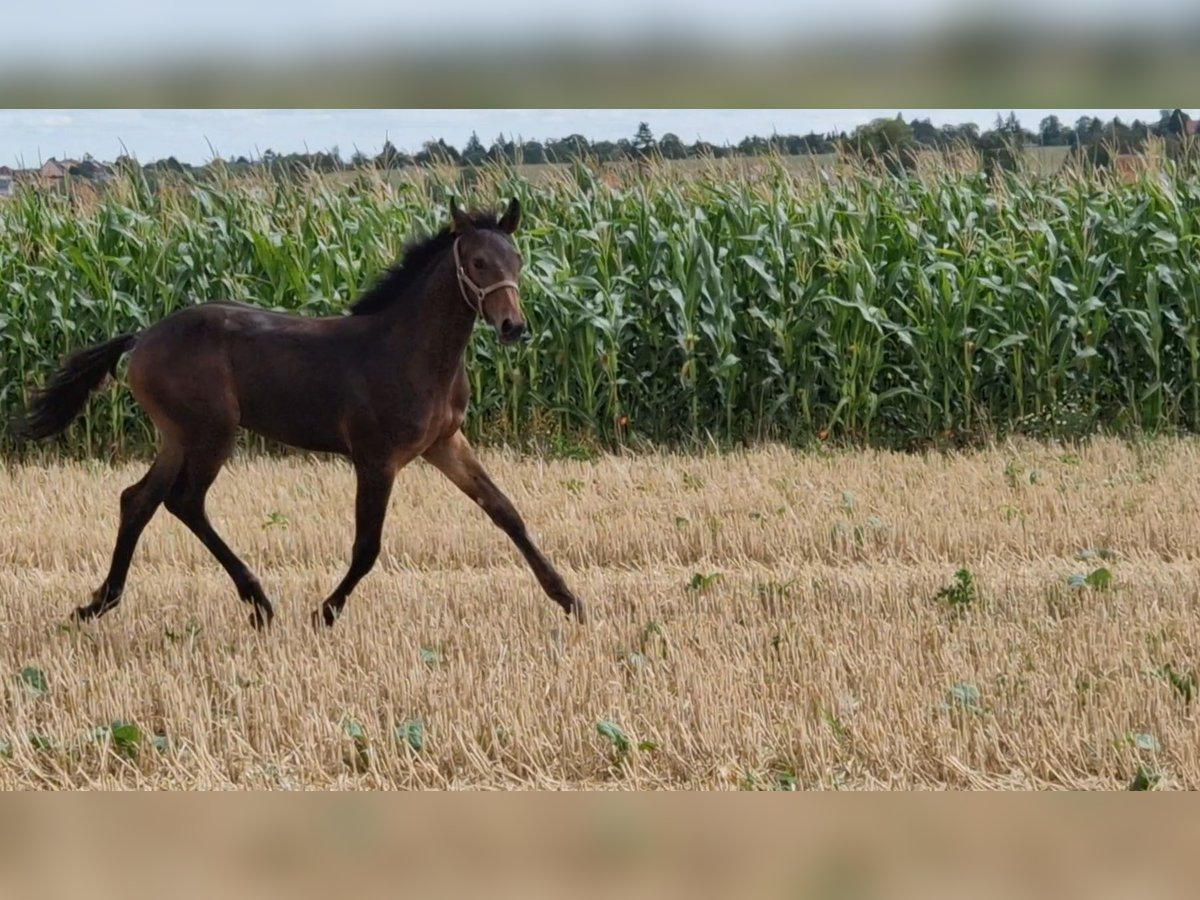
column 77, row 33
column 31, row 136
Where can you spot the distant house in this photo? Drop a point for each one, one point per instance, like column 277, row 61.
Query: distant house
column 93, row 169
column 7, row 176
column 1192, row 127
column 55, row 169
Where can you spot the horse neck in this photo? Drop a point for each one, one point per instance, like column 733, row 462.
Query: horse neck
column 432, row 331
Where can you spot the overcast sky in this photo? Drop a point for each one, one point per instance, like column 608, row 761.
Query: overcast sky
column 28, row 137
column 79, row 30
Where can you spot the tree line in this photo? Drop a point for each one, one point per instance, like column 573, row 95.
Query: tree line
column 893, row 137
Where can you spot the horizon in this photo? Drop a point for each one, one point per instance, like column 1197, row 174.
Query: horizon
column 28, row 138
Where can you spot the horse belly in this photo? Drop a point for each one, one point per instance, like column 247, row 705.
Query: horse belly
column 298, row 414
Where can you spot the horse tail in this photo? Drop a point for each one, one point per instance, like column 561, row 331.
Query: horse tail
column 55, row 405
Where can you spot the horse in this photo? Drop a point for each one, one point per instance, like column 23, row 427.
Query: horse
column 381, row 386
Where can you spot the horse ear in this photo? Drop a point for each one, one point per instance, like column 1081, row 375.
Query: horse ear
column 512, row 217
column 459, row 220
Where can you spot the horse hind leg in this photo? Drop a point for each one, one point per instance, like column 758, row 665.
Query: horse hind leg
column 138, row 505
column 186, row 501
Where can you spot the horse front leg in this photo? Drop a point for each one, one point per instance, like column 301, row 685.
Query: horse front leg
column 453, row 457
column 375, row 480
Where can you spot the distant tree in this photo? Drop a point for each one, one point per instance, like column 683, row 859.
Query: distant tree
column 1050, row 130
column 573, row 146
column 1173, row 127
column 326, row 161
column 965, row 133
column 1003, row 147
column 388, row 156
column 671, row 147
column 474, row 153
column 170, row 164
column 888, row 140
column 606, row 151
column 925, row 133
column 753, row 146
column 1178, row 123
column 643, row 141
column 810, row 143
column 502, row 150
column 1171, row 122
column 437, row 153
column 533, row 153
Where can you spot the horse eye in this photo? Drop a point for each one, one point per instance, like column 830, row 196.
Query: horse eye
column 477, row 263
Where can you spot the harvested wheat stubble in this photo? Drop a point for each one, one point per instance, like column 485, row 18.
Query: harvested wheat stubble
column 767, row 619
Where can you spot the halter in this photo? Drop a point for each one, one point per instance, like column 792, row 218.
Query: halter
column 465, row 283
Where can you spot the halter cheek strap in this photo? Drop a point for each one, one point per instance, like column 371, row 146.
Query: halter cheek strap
column 470, row 288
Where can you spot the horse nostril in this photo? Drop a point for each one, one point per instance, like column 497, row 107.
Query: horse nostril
column 510, row 330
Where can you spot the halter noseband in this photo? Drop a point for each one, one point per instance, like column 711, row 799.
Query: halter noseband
column 466, row 284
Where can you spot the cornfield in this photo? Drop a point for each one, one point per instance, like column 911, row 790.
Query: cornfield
column 853, row 306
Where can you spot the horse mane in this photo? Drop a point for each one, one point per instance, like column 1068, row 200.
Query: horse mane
column 397, row 282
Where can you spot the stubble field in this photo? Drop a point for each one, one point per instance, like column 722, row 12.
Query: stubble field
column 767, row 620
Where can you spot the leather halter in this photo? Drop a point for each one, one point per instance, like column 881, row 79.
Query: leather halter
column 465, row 284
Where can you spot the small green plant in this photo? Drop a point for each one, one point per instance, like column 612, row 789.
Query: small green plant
column 125, row 738
column 35, row 680
column 190, row 630
column 616, row 737
column 1098, row 579
column 784, row 780
column 1146, row 779
column 621, row 744
column 412, row 733
column 359, row 757
column 839, row 729
column 564, row 447
column 653, row 636
column 275, row 519
column 965, row 696
column 772, row 589
column 574, row 486
column 702, row 581
column 431, row 656
column 692, row 482
column 1010, row 512
column 1013, row 472
column 1184, row 683
column 849, row 501
column 962, row 594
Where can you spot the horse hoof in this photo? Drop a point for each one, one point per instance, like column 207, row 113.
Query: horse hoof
column 324, row 617
column 576, row 610
column 261, row 618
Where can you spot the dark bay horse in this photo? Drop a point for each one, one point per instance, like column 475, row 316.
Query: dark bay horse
column 381, row 386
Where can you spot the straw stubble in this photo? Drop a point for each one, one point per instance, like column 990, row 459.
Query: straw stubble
column 763, row 620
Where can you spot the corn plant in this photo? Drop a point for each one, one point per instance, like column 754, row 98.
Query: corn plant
column 851, row 304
